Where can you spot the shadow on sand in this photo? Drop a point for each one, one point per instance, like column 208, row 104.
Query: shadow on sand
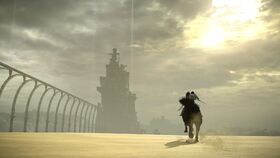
column 179, row 142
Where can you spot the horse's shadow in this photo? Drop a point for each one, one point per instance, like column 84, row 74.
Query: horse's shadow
column 179, row 142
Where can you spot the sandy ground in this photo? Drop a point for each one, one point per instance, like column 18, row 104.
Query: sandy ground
column 70, row 145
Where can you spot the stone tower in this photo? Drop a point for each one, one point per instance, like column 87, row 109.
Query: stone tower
column 116, row 113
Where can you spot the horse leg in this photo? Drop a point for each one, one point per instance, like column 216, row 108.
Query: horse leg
column 197, row 126
column 186, row 127
column 191, row 130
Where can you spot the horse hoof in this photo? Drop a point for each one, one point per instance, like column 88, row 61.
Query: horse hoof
column 196, row 141
column 191, row 135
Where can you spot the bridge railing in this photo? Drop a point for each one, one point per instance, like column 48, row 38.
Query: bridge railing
column 73, row 103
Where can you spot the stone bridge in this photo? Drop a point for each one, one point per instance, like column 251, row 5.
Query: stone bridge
column 72, row 115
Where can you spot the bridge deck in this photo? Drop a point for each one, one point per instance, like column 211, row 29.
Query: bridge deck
column 62, row 145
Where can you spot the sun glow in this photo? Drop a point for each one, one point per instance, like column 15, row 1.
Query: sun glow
column 226, row 23
column 213, row 37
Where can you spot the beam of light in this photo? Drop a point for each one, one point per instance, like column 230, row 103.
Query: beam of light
column 13, row 25
column 131, row 43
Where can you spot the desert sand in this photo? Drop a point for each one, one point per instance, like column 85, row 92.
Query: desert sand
column 95, row 145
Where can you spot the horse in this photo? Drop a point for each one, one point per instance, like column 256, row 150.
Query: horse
column 192, row 116
column 195, row 119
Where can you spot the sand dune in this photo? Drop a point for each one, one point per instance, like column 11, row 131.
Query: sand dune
column 70, row 145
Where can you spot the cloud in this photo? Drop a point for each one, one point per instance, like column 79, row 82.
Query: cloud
column 67, row 43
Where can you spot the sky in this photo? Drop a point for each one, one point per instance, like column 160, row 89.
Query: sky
column 228, row 52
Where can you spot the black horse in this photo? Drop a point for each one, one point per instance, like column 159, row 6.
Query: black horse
column 191, row 116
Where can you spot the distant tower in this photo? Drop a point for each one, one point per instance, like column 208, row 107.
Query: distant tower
column 116, row 113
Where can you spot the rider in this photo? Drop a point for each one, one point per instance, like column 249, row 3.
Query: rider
column 189, row 105
column 185, row 102
column 193, row 96
column 195, row 107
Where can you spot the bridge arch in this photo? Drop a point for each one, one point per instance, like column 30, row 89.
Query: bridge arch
column 70, row 113
column 76, row 113
column 40, row 104
column 64, row 109
column 85, row 118
column 49, row 108
column 13, row 110
column 36, row 86
column 81, row 117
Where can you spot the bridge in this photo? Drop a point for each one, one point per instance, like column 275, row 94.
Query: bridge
column 76, row 114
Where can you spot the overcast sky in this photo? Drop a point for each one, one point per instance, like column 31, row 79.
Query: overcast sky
column 226, row 51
